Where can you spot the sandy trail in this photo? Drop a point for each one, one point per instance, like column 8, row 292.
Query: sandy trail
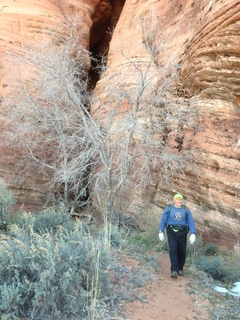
column 167, row 299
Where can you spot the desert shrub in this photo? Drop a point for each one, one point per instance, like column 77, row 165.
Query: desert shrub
column 46, row 275
column 198, row 250
column 221, row 267
column 143, row 240
column 47, row 221
column 139, row 243
column 210, row 249
column 7, row 201
column 116, row 237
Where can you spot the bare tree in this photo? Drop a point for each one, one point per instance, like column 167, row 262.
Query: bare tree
column 138, row 109
column 120, row 143
column 50, row 105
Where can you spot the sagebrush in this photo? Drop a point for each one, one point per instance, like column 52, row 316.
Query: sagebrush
column 55, row 273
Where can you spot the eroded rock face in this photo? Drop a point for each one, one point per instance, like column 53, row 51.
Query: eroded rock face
column 201, row 37
column 211, row 74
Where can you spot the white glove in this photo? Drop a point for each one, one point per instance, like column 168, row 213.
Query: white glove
column 161, row 236
column 192, row 238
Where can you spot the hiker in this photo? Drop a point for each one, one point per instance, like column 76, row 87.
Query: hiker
column 178, row 220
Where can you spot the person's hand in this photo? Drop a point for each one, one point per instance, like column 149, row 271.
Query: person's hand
column 192, row 238
column 161, row 236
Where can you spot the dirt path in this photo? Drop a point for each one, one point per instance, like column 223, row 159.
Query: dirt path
column 167, row 299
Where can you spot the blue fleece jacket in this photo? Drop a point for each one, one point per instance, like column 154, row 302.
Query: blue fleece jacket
column 177, row 216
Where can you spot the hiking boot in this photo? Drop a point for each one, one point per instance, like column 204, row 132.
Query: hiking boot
column 180, row 273
column 174, row 274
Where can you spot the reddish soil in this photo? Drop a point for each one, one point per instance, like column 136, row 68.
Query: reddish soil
column 167, row 298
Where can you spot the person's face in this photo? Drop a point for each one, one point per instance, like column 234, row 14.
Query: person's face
column 178, row 202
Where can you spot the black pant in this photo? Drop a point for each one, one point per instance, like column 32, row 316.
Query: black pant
column 178, row 245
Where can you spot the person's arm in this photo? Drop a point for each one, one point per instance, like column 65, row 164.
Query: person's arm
column 163, row 223
column 191, row 223
column 192, row 229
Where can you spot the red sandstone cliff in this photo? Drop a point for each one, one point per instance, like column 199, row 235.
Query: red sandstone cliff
column 202, row 38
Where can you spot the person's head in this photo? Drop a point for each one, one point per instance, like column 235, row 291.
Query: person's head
column 178, row 199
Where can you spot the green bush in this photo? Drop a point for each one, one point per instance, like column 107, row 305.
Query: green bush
column 7, row 201
column 198, row 250
column 50, row 275
column 48, row 221
column 220, row 267
column 144, row 240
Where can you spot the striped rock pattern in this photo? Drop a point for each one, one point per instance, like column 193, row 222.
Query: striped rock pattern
column 202, row 38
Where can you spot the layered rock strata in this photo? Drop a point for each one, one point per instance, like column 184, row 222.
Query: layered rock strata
column 201, row 38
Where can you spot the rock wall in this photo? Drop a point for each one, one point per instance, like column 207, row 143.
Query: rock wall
column 211, row 74
column 201, row 37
